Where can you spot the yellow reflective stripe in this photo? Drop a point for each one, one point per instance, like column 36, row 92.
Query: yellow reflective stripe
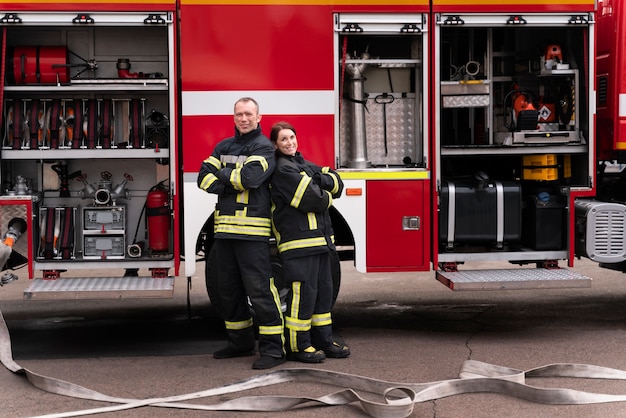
column 295, row 298
column 235, row 179
column 257, row 158
column 296, row 324
column 242, row 230
column 295, row 308
column 276, row 297
column 320, row 320
column 238, row 325
column 302, row 243
column 235, row 175
column 243, row 197
column 276, row 234
column 330, row 199
column 312, row 220
column 244, row 220
column 326, row 170
column 214, row 162
column 297, row 197
column 242, row 225
column 278, row 329
column 271, row 330
column 207, row 181
column 335, row 188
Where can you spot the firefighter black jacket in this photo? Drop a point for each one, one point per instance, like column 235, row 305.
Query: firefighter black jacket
column 301, row 193
column 238, row 171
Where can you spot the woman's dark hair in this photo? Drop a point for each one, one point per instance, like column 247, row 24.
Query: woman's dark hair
column 279, row 126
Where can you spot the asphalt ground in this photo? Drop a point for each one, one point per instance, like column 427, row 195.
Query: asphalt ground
column 401, row 327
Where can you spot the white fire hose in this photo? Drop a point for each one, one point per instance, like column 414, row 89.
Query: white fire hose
column 399, row 398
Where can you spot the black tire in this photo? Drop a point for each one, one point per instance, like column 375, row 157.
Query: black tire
column 210, row 274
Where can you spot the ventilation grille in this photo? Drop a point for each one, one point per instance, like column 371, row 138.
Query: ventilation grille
column 603, row 88
column 609, row 231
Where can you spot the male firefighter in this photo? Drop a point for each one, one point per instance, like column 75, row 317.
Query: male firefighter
column 238, row 171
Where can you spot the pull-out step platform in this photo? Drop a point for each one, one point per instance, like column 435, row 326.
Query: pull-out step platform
column 100, row 288
column 513, row 279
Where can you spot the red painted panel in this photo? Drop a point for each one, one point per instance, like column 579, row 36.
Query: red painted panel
column 201, row 133
column 389, row 247
column 257, row 47
column 315, row 136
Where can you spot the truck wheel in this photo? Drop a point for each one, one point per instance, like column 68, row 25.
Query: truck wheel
column 212, row 264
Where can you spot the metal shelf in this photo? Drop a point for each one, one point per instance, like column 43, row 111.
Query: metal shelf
column 142, row 84
column 386, row 63
column 82, row 264
column 521, row 256
column 53, row 154
column 525, row 149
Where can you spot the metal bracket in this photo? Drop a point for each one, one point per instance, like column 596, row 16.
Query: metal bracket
column 578, row 20
column 352, row 27
column 449, row 266
column 454, row 20
column 11, row 18
column 410, row 28
column 159, row 273
column 51, row 274
column 83, row 18
column 516, row 20
column 154, row 19
column 550, row 264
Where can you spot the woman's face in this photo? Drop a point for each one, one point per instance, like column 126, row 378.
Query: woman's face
column 287, row 143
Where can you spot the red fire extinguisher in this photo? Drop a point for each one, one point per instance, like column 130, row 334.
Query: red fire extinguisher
column 158, row 216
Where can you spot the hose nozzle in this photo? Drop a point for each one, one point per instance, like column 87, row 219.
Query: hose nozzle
column 17, row 226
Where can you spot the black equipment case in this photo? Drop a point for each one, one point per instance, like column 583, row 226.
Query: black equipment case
column 544, row 222
column 480, row 211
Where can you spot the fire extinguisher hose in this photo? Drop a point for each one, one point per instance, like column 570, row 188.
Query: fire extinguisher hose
column 399, row 397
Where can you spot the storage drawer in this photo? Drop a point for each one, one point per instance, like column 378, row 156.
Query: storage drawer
column 103, row 247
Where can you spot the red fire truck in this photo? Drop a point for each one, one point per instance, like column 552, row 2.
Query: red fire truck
column 464, row 131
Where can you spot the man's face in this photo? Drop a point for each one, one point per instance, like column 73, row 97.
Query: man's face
column 247, row 117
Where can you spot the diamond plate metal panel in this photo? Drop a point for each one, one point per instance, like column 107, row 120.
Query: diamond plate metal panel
column 100, row 288
column 481, row 100
column 510, row 279
column 402, row 134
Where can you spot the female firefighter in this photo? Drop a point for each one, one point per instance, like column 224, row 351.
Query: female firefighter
column 301, row 194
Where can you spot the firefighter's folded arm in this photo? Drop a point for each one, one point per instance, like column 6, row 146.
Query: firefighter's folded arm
column 325, row 181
